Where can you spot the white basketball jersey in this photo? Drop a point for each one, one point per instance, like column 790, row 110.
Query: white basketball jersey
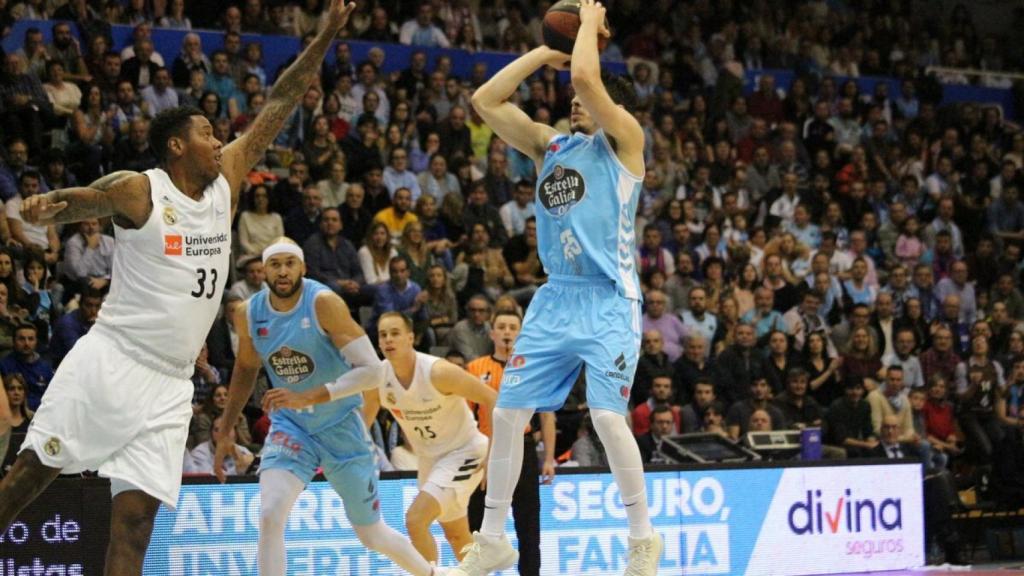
column 434, row 423
column 168, row 275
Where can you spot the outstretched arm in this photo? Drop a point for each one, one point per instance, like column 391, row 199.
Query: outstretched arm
column 123, row 195
column 241, row 155
column 243, row 380
column 615, row 120
column 509, row 121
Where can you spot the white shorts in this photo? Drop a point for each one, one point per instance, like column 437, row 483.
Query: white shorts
column 452, row 478
column 105, row 411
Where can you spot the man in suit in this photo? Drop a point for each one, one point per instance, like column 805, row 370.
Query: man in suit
column 663, row 424
column 939, row 494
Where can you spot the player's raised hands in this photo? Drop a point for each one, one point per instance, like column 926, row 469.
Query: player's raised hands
column 594, row 11
column 338, row 13
column 40, row 209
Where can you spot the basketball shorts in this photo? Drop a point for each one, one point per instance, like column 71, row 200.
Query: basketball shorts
column 574, row 322
column 345, row 453
column 105, row 411
column 453, row 477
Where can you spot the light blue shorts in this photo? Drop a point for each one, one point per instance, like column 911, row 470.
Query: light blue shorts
column 344, row 451
column 574, row 322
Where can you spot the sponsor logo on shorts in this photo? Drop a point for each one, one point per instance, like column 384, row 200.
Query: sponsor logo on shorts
column 561, row 190
column 172, row 244
column 517, row 361
column 397, row 413
column 290, row 365
column 624, row 391
column 262, row 331
column 305, row 323
column 284, row 440
column 376, row 505
column 170, row 216
column 620, row 362
column 52, row 446
column 390, row 397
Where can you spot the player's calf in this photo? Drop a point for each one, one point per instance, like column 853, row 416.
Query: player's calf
column 131, row 525
column 26, row 481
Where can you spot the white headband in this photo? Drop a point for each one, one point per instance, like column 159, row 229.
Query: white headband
column 282, row 248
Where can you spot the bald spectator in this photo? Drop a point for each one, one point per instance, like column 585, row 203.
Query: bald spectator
column 657, row 317
column 652, row 362
column 189, row 59
column 958, row 285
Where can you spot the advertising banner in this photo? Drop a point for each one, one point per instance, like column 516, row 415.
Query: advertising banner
column 764, row 521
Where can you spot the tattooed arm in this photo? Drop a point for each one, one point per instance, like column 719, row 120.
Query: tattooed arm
column 123, row 195
column 6, row 419
column 241, row 155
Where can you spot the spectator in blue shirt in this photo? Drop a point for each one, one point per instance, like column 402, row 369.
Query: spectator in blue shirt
column 73, row 326
column 24, row 360
column 398, row 294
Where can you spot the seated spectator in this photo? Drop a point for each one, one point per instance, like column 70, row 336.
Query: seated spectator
column 25, row 360
column 889, row 399
column 421, row 31
column 16, row 395
column 497, row 276
column 939, row 418
column 200, row 459
column 522, row 258
column 254, row 278
column 332, row 260
column 398, row 294
column 355, row 216
column 663, row 424
column 211, row 406
column 442, row 308
column 738, row 365
column 779, row 361
column 24, row 106
column 848, row 421
column 471, row 336
column 134, row 152
column 904, row 356
column 258, row 227
column 66, row 97
column 398, row 176
column 397, row 216
column 661, row 394
column 760, row 421
column 737, row 419
column 302, row 221
column 799, row 410
column 939, row 460
column 519, row 210
column 764, row 317
column 652, row 255
column 437, row 181
column 668, row 325
column 43, row 237
column 588, row 450
column 375, row 254
column 860, row 360
column 75, row 324
column 692, row 414
column 694, row 365
column 479, row 211
column 320, row 150
column 653, row 362
column 333, row 186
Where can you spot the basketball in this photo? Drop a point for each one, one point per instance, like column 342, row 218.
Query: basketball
column 561, row 23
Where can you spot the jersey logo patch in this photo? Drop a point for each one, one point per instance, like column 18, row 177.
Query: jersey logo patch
column 170, row 216
column 561, row 190
column 290, row 365
column 262, row 332
column 391, row 398
column 172, row 244
column 517, row 361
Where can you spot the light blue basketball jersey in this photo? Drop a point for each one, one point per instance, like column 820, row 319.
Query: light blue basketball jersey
column 297, row 354
column 586, row 212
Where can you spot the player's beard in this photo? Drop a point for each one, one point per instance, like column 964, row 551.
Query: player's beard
column 295, row 288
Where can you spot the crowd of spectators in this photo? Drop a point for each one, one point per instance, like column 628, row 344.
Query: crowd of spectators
column 811, row 255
